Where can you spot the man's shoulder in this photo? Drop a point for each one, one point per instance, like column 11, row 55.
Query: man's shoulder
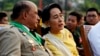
column 94, row 32
column 3, row 26
column 7, row 28
column 95, row 28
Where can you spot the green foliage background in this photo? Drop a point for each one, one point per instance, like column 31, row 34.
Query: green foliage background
column 7, row 5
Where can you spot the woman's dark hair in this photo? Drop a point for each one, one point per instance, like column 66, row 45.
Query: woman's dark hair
column 39, row 13
column 46, row 11
column 18, row 8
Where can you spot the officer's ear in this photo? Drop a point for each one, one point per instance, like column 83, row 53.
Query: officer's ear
column 24, row 15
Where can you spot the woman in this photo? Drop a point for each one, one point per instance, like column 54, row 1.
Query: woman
column 58, row 39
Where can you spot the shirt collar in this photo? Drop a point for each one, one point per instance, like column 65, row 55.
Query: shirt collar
column 26, row 27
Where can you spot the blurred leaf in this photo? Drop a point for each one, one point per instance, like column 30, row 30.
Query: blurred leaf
column 8, row 6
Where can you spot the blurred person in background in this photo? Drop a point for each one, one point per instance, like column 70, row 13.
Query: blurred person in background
column 72, row 24
column 92, row 16
column 82, row 20
column 94, row 39
column 3, row 18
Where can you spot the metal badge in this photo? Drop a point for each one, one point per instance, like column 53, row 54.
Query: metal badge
column 24, row 34
column 32, row 42
column 33, row 45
